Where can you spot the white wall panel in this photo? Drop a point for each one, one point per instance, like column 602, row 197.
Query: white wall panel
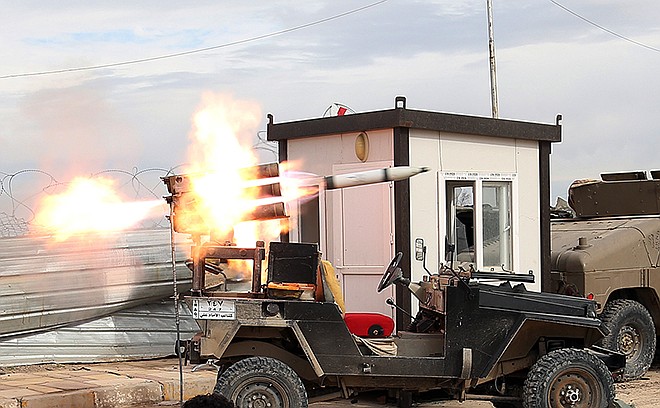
column 481, row 155
column 476, row 153
column 424, row 214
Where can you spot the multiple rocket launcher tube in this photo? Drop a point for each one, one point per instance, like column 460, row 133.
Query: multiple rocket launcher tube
column 184, row 202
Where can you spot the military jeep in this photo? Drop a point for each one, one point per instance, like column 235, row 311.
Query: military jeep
column 287, row 341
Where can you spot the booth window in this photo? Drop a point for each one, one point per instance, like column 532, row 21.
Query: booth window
column 479, row 216
column 496, row 216
column 460, row 225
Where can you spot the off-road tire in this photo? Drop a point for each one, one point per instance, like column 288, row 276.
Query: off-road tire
column 568, row 378
column 631, row 332
column 262, row 379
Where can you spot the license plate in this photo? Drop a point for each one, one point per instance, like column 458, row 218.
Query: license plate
column 213, row 309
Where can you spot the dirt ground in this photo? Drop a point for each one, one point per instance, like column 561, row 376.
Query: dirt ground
column 643, row 393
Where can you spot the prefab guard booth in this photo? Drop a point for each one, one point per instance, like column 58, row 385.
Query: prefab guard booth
column 487, row 193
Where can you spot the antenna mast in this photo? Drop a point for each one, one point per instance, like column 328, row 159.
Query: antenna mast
column 491, row 51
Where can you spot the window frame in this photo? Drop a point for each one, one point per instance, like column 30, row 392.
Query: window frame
column 445, row 179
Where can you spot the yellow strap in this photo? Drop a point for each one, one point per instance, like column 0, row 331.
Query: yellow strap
column 333, row 283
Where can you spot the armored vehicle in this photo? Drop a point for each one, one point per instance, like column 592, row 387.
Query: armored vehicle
column 610, row 252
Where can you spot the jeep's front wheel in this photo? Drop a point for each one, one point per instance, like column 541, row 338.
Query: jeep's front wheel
column 631, row 333
column 568, row 378
column 257, row 382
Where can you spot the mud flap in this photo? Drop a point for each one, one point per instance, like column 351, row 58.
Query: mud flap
column 466, row 370
column 615, row 361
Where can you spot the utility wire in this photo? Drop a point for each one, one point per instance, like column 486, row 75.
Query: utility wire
column 199, row 50
column 607, row 30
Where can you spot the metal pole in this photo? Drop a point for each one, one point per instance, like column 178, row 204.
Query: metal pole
column 491, row 52
column 177, row 317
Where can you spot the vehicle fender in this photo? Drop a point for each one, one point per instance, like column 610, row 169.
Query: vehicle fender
column 615, row 361
column 218, row 336
column 647, row 296
column 265, row 349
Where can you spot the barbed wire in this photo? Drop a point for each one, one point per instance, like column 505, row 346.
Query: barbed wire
column 21, row 192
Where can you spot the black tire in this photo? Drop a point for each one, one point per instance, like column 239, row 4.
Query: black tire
column 265, row 380
column 568, row 378
column 631, row 332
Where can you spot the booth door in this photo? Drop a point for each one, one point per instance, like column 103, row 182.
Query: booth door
column 362, row 236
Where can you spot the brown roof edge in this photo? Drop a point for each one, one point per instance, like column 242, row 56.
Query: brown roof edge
column 414, row 119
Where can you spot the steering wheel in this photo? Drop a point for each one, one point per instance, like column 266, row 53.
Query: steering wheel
column 389, row 276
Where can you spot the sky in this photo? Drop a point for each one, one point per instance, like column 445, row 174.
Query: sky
column 296, row 58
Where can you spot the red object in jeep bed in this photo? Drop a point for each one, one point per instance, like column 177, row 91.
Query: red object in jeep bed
column 369, row 324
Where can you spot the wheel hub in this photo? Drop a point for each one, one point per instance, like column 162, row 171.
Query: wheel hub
column 571, row 395
column 571, row 391
column 629, row 341
column 261, row 395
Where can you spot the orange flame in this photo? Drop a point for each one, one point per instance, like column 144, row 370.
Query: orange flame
column 297, row 185
column 90, row 205
column 219, row 150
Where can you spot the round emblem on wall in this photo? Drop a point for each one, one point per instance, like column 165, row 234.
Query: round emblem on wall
column 362, row 147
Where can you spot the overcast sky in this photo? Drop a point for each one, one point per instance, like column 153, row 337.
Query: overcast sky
column 434, row 52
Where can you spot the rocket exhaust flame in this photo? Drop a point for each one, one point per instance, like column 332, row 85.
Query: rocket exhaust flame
column 262, row 199
column 91, row 205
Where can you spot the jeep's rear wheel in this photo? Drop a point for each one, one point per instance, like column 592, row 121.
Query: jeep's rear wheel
column 260, row 382
column 631, row 333
column 568, row 378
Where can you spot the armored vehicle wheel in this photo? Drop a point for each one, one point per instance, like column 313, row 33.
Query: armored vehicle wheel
column 260, row 382
column 568, row 378
column 631, row 333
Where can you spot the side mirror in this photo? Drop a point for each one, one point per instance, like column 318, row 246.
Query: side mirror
column 420, row 253
column 419, row 249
